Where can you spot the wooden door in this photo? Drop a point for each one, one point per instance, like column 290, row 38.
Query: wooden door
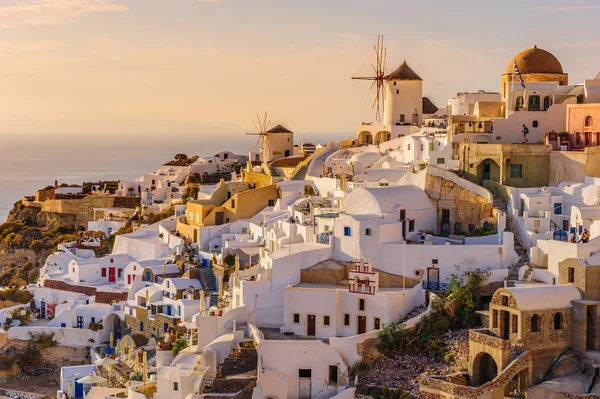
column 362, row 324
column 111, row 275
column 219, row 218
column 312, row 325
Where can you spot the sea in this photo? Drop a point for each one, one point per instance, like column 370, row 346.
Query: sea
column 29, row 163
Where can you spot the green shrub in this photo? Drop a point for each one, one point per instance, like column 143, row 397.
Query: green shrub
column 178, row 346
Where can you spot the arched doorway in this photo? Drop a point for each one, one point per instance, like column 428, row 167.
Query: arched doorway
column 488, row 169
column 364, row 138
column 382, row 136
column 287, row 153
column 485, row 369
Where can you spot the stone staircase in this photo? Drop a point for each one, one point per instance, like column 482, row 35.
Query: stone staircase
column 415, row 312
column 237, row 376
column 513, row 271
column 301, row 175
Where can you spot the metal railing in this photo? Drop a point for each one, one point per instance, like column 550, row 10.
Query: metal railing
column 558, row 234
column 434, row 285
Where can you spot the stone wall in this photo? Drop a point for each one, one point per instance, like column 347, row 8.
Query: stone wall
column 83, row 209
column 466, row 207
column 155, row 325
column 9, row 393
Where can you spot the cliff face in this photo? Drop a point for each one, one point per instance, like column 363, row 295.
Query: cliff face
column 26, row 240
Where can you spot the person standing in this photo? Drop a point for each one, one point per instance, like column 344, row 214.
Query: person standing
column 525, row 133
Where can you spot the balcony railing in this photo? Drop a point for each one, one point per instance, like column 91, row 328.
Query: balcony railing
column 435, row 285
column 324, row 238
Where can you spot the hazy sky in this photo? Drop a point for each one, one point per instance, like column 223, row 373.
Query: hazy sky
column 187, row 66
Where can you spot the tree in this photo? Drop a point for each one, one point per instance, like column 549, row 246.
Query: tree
column 309, row 190
column 178, row 346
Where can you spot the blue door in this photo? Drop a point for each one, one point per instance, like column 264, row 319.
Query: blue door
column 168, row 310
column 147, row 276
column 78, row 390
column 166, row 327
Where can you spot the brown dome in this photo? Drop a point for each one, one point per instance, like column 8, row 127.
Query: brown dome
column 535, row 60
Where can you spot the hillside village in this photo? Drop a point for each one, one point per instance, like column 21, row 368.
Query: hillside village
column 441, row 252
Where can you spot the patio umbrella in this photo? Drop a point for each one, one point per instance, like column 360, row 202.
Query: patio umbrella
column 105, row 361
column 91, row 379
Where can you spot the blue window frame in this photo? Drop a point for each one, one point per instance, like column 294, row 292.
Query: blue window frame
column 558, row 209
column 347, row 231
column 166, row 327
column 141, row 326
column 63, row 325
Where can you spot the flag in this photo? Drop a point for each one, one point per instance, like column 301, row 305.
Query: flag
column 518, row 73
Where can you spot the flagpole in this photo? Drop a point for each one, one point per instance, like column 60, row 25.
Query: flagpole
column 512, row 88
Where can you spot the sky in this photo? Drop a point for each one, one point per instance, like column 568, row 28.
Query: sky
column 109, row 68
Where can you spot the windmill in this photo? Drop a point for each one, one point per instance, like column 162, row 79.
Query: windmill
column 379, row 78
column 261, row 126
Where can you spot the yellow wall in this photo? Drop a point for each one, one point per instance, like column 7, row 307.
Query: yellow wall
column 83, row 209
column 258, row 180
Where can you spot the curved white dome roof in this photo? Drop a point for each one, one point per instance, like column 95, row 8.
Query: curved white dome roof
column 367, row 157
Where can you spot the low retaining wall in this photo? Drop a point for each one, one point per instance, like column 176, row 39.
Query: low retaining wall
column 9, row 393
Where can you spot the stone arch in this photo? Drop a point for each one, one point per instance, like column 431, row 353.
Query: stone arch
column 535, row 324
column 81, row 228
column 485, row 368
column 558, row 321
column 382, row 136
column 365, row 137
column 488, row 169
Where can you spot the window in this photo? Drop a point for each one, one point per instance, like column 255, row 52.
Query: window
column 402, row 118
column 432, row 146
column 112, row 260
column 571, row 275
column 589, row 121
column 558, row 321
column 376, row 323
column 361, row 304
column 402, row 214
column 514, row 323
column 347, row 231
column 304, row 373
column 534, row 124
column 458, row 228
column 411, row 225
column 495, row 319
column 434, row 261
column 141, row 326
column 546, row 102
column 535, row 323
column 408, row 147
column 92, row 320
column 326, row 320
column 558, row 208
column 232, row 204
column 577, row 138
column 504, row 300
column 63, row 325
column 120, row 273
column 79, row 321
column 296, row 318
column 421, row 147
column 175, row 386
column 271, row 202
column 394, row 83
column 333, row 373
column 367, row 232
column 441, row 161
column 103, row 272
column 397, row 91
column 516, row 171
column 520, row 102
column 346, row 319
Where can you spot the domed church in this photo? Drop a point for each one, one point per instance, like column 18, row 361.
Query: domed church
column 535, row 65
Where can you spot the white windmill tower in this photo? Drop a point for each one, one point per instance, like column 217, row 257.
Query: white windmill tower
column 261, row 126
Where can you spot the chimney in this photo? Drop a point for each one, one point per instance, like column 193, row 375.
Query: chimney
column 55, row 183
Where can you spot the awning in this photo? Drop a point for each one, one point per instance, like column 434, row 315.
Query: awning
column 250, row 250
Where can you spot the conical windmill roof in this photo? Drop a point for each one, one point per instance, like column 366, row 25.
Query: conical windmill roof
column 404, row 72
